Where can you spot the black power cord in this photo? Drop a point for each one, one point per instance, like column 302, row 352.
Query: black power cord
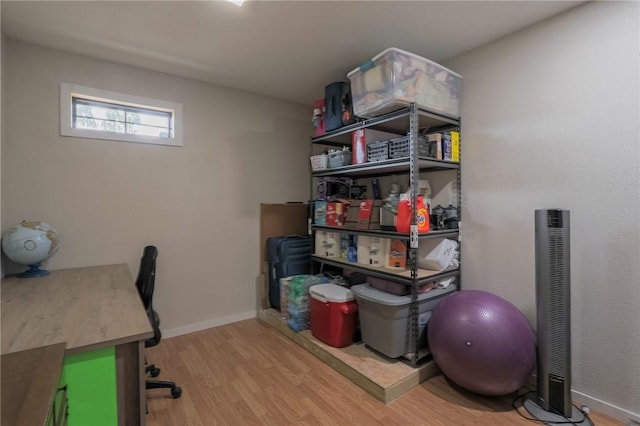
column 520, row 397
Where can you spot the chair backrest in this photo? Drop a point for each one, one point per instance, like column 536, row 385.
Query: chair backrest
column 146, row 285
column 147, row 275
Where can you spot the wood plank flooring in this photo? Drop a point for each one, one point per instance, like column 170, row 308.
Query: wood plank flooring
column 247, row 373
column 384, row 378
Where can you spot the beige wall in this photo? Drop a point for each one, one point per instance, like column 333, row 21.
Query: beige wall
column 199, row 204
column 1, row 117
column 550, row 120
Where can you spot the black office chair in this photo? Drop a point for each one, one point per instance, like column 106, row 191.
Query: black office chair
column 145, row 284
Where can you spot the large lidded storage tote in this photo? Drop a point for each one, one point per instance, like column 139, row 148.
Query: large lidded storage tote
column 395, row 78
column 334, row 314
column 384, row 318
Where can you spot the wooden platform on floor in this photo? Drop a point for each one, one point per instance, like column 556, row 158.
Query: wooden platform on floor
column 384, row 378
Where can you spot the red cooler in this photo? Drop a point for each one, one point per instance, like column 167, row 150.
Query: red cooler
column 334, row 314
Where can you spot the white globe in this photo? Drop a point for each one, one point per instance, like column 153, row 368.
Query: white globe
column 30, row 243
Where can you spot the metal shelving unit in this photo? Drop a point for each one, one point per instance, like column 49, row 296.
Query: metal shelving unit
column 393, row 122
column 447, row 233
column 387, row 167
column 422, row 275
column 410, row 121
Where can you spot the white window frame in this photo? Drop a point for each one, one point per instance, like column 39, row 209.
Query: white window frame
column 68, row 91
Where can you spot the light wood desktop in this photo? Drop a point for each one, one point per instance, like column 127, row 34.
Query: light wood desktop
column 88, row 309
column 31, row 387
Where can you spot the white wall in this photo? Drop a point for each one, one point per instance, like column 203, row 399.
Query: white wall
column 199, row 204
column 550, row 120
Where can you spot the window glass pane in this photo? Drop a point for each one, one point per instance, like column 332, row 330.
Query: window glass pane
column 83, row 110
column 139, row 129
column 100, row 114
column 84, row 118
column 105, row 116
column 99, row 124
column 99, row 111
column 112, row 126
column 161, row 119
column 86, row 123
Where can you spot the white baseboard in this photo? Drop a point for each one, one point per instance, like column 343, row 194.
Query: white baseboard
column 178, row 331
column 604, row 407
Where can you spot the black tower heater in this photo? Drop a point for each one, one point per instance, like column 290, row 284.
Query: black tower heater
column 553, row 319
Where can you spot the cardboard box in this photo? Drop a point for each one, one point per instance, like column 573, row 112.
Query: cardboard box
column 436, row 254
column 446, row 146
column 436, row 138
column 455, row 146
column 364, row 214
column 320, row 212
column 352, row 214
column 369, row 214
column 336, row 214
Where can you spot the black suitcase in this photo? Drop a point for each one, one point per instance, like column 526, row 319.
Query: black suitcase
column 287, row 256
column 338, row 105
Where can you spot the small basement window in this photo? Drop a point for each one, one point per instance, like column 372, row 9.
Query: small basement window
column 98, row 114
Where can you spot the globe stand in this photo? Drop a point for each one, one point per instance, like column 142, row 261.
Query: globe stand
column 540, row 414
column 34, row 271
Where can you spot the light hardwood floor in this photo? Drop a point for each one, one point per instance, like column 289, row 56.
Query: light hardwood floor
column 247, row 373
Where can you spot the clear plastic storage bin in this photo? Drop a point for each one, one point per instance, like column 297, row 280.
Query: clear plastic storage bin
column 339, row 158
column 395, row 78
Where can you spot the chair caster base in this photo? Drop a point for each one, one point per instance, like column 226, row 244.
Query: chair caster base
column 176, row 392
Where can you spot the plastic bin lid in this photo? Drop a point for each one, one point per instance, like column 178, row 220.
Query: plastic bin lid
column 370, row 63
column 330, row 293
column 366, row 292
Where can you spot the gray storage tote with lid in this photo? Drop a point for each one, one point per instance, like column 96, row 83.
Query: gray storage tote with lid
column 384, row 318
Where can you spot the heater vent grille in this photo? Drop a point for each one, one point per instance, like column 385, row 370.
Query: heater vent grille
column 553, row 282
column 557, row 332
column 554, row 219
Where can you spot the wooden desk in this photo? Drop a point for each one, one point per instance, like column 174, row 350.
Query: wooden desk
column 91, row 309
column 30, row 385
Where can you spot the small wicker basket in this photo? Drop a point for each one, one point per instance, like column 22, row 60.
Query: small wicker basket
column 319, row 162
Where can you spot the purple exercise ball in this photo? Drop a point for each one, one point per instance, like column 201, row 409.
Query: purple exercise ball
column 482, row 342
